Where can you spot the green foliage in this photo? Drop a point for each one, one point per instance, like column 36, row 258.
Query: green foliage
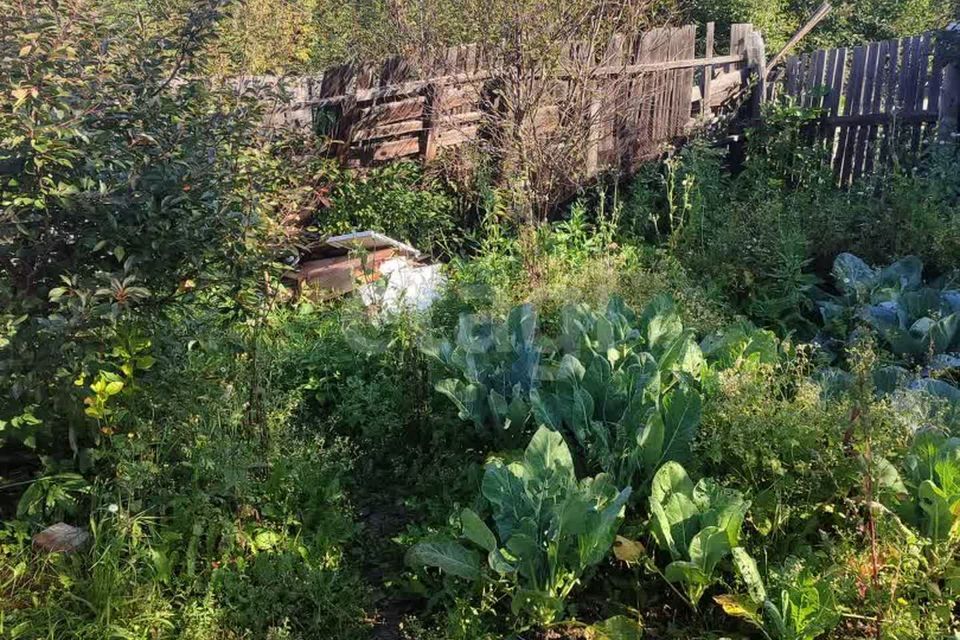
column 666, row 199
column 616, row 628
column 698, row 525
column 850, row 22
column 499, row 365
column 916, row 320
column 52, row 497
column 805, row 610
column 622, row 385
column 575, row 260
column 122, row 191
column 743, row 345
column 253, row 469
column 763, row 232
column 928, row 496
column 258, row 39
column 114, row 587
column 398, row 199
column 230, row 533
column 577, row 238
column 768, row 431
column 550, row 526
column 287, row 584
column 629, row 394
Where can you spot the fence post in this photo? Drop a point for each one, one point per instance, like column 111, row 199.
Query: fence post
column 949, row 126
column 756, row 65
column 593, row 144
column 431, row 107
column 707, row 73
column 346, row 82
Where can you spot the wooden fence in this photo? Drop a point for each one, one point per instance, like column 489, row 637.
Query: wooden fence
column 878, row 99
column 653, row 86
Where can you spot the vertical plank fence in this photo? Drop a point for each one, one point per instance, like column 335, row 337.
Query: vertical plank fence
column 879, row 99
column 646, row 90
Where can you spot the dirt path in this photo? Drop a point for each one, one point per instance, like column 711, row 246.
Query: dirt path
column 380, row 523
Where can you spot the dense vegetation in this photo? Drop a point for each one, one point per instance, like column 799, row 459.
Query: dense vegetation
column 294, row 36
column 712, row 400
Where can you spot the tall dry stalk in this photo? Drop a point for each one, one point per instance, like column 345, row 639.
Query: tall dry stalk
column 546, row 74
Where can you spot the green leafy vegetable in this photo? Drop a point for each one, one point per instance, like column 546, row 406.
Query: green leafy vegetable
column 698, row 525
column 928, row 495
column 628, row 394
column 498, row 365
column 806, row 609
column 550, row 527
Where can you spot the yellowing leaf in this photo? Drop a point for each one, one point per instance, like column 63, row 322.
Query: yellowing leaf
column 25, row 50
column 737, row 606
column 615, row 628
column 264, row 539
column 629, row 551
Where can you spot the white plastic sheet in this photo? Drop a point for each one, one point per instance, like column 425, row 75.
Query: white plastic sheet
column 404, row 286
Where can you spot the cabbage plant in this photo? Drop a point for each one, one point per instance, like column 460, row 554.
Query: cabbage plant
column 918, row 321
column 497, row 366
column 623, row 385
column 548, row 528
column 697, row 524
column 804, row 608
column 626, row 389
column 927, row 494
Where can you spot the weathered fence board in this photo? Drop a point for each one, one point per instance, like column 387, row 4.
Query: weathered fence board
column 644, row 91
column 876, row 100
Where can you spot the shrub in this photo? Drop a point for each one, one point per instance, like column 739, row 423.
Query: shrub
column 123, row 191
column 398, row 199
column 771, row 436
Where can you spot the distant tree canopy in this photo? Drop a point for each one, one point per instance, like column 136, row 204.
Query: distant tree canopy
column 850, row 21
column 291, row 36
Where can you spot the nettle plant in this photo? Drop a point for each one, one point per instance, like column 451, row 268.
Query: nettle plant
column 549, row 528
column 697, row 524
